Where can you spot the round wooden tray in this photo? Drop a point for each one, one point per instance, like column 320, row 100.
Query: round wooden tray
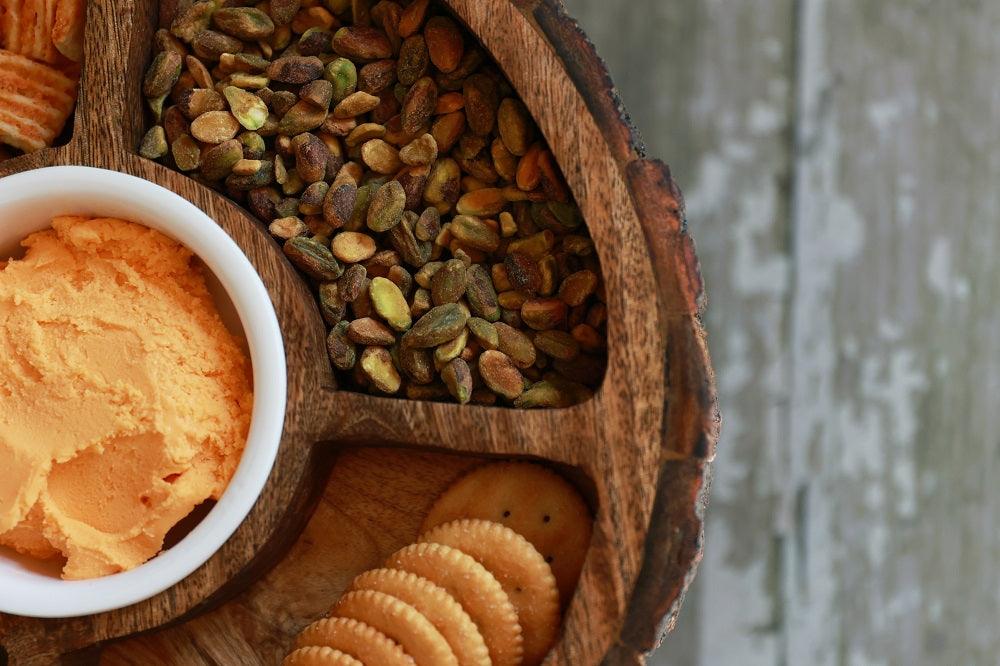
column 641, row 449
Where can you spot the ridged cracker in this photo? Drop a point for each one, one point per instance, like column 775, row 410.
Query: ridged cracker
column 521, row 570
column 67, row 29
column 475, row 588
column 355, row 638
column 436, row 605
column 535, row 502
column 35, row 101
column 26, row 29
column 399, row 621
column 319, row 656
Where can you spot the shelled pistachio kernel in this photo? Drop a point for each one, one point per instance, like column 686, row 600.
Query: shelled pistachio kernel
column 433, row 163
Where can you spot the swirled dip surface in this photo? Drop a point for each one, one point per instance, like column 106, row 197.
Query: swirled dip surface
column 124, row 400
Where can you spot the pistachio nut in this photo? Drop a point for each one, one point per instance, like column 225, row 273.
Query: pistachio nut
column 515, row 344
column 544, row 313
column 192, row 20
column 195, row 101
column 445, row 44
column 247, row 23
column 376, row 363
column 186, row 153
column 249, row 109
column 218, row 161
column 339, row 203
column 439, row 325
column 352, row 247
column 500, row 374
column 313, row 258
column 318, row 92
column 479, row 293
column 578, row 287
column 451, row 349
column 380, row 156
column 302, row 117
column 390, row 304
column 517, row 131
column 377, row 76
column 481, row 103
column 214, row 126
column 162, row 74
column 311, row 156
column 413, row 59
column 417, row 364
column 210, row 44
column 343, row 75
column 473, row 232
column 457, row 376
column 370, row 331
column 287, row 227
column 418, row 105
column 283, row 11
column 154, row 143
column 314, row 40
column 448, row 283
column 351, row 281
column 386, row 209
column 362, row 43
column 355, row 104
column 484, row 332
column 412, row 250
column 295, row 69
column 340, row 348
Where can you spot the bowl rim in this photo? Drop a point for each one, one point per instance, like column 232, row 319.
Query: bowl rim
column 93, row 191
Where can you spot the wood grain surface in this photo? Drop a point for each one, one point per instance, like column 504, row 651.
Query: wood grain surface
column 838, row 160
column 641, row 449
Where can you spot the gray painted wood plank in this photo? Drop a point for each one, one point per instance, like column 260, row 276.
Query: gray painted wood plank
column 853, row 321
column 709, row 86
column 896, row 336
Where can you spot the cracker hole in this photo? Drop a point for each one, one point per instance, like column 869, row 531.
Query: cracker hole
column 506, row 514
column 546, row 519
column 548, row 559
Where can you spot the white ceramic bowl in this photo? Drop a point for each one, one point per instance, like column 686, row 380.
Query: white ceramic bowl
column 28, row 201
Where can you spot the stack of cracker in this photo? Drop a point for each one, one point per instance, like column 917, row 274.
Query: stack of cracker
column 41, row 46
column 496, row 561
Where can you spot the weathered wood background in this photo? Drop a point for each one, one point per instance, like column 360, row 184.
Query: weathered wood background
column 841, row 165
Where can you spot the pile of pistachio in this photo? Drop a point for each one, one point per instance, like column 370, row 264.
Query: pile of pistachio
column 402, row 175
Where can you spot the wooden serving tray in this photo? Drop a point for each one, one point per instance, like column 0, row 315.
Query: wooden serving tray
column 356, row 473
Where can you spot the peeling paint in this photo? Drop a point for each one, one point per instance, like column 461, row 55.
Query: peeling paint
column 940, row 274
column 883, row 114
column 854, row 325
column 709, row 188
column 772, row 47
column 764, row 118
column 739, row 372
column 743, row 624
column 757, row 272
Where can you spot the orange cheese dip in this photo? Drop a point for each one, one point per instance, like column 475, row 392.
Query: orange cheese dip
column 124, row 400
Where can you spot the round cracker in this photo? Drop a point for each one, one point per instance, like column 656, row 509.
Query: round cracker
column 532, row 500
column 521, row 570
column 475, row 588
column 316, row 655
column 399, row 621
column 35, row 101
column 355, row 638
column 434, row 602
